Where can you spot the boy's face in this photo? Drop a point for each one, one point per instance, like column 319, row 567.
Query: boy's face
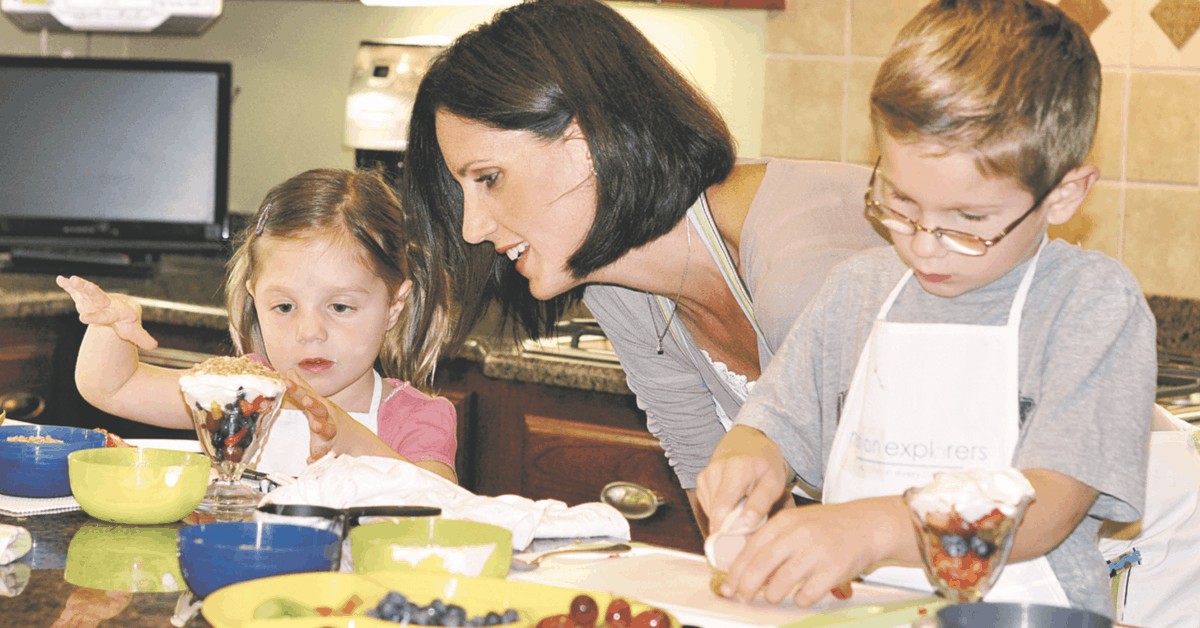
column 944, row 189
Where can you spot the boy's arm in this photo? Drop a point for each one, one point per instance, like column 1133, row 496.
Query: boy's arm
column 108, row 373
column 841, row 541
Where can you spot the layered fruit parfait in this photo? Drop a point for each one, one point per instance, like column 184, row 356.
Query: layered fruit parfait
column 233, row 401
column 965, row 523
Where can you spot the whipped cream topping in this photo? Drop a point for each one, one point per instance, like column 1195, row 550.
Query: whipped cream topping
column 204, row 389
column 218, row 379
column 973, row 493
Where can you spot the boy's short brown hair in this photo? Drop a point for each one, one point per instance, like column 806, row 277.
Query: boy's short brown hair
column 1016, row 82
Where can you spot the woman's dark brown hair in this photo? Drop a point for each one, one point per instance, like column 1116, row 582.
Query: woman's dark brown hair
column 656, row 142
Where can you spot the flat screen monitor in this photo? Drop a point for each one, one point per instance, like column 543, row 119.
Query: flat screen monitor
column 113, row 154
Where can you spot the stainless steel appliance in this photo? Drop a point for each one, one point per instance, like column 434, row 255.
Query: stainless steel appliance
column 1179, row 384
column 383, row 86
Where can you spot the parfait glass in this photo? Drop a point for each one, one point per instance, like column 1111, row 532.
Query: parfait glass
column 232, row 435
column 963, row 558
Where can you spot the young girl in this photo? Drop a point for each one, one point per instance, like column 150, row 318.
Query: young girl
column 322, row 285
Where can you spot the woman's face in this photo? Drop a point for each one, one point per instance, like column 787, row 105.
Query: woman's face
column 533, row 199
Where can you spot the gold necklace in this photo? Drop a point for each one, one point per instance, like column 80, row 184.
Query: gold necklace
column 687, row 261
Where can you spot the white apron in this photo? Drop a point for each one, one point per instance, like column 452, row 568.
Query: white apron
column 929, row 397
column 1161, row 587
column 287, row 446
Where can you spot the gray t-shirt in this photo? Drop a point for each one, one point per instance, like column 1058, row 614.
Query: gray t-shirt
column 1087, row 378
column 805, row 218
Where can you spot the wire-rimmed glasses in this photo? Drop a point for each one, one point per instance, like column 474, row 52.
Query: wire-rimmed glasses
column 956, row 241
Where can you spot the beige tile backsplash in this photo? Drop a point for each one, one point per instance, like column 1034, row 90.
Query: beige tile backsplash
column 1145, row 211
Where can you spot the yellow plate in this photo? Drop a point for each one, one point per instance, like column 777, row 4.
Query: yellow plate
column 233, row 606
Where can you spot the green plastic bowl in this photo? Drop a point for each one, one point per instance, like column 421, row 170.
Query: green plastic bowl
column 432, row 544
column 136, row 485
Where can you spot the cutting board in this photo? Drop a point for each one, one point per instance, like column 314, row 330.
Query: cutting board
column 678, row 582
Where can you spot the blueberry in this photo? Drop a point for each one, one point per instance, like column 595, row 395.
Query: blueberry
column 492, row 619
column 510, row 616
column 981, row 548
column 954, row 545
column 454, row 615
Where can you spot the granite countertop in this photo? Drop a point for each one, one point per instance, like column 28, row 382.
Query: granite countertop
column 187, row 293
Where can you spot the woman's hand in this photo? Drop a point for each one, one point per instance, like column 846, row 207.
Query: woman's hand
column 803, row 553
column 744, row 464
column 97, row 307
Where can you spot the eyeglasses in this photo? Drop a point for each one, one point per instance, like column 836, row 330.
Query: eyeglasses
column 956, row 241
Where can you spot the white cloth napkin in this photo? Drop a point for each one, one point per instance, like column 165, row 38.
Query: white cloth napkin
column 345, row 481
column 15, row 542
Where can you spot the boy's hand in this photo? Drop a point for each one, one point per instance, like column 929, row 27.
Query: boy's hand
column 805, row 552
column 745, row 464
column 97, row 307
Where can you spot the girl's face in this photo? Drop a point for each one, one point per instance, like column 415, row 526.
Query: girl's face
column 533, row 199
column 323, row 312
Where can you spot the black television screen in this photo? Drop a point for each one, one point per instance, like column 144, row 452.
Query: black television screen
column 113, row 154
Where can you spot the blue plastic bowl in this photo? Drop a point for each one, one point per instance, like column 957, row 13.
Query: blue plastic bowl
column 36, row 470
column 215, row 555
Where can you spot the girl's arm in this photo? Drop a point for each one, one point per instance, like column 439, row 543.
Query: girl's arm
column 108, row 373
column 332, row 429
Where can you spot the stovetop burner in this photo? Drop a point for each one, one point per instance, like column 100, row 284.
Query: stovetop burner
column 1179, row 384
column 576, row 338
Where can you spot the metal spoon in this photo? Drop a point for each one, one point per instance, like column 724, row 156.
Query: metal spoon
column 528, row 564
column 633, row 501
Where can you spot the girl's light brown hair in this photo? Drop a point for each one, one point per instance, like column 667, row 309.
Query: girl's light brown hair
column 358, row 207
column 1016, row 82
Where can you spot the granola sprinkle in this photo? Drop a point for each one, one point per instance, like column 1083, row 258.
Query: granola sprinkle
column 225, row 365
column 35, row 440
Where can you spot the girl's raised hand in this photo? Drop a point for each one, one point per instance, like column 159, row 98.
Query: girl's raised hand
column 746, row 464
column 97, row 307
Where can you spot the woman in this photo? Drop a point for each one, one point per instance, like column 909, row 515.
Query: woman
column 560, row 136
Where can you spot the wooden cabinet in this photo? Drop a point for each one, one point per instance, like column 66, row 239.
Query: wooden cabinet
column 27, row 369
column 549, row 442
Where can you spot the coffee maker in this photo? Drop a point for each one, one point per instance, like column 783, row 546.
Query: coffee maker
column 386, row 75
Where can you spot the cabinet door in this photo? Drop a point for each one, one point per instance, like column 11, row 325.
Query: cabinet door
column 572, row 462
column 27, row 370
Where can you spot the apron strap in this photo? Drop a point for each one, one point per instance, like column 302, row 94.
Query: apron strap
column 1018, row 304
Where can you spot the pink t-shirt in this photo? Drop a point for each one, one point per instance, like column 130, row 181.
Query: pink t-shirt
column 418, row 427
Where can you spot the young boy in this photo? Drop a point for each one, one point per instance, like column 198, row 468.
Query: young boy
column 972, row 342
